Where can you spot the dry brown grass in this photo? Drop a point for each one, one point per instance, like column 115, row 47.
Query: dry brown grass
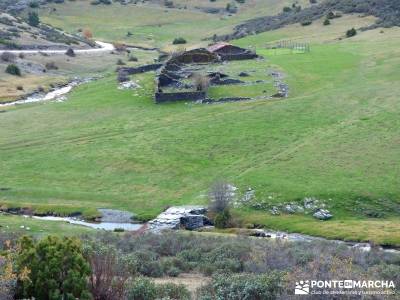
column 192, row 281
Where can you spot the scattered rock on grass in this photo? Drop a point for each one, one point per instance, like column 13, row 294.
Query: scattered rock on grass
column 323, row 214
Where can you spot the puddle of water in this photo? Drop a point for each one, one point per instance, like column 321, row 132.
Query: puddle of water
column 102, row 225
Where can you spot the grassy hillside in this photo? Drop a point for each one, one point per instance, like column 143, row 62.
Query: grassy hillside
column 335, row 138
column 152, row 24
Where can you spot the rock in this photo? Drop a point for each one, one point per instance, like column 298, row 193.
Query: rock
column 293, row 208
column 310, row 203
column 248, row 195
column 129, row 85
column 243, row 74
column 322, row 214
column 188, row 217
column 275, row 211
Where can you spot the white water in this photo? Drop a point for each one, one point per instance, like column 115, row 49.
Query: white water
column 52, row 95
column 102, row 225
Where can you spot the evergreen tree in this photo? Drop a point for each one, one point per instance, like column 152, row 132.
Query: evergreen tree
column 33, row 19
column 54, row 269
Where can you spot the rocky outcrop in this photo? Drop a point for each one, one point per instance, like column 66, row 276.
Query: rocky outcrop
column 322, row 214
column 180, row 217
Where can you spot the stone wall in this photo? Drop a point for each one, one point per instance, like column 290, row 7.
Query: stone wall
column 179, row 96
column 141, row 69
column 241, row 56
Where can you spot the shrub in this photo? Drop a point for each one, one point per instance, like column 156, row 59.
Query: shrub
column 123, row 76
column 201, row 82
column 306, row 23
column 220, row 197
column 179, row 40
column 172, row 291
column 8, row 57
column 351, row 32
column 327, row 22
column 55, row 269
column 132, row 58
column 148, row 263
column 110, row 271
column 119, row 46
column 33, row 19
column 51, row 66
column 243, row 286
column 222, row 219
column 13, row 70
column 70, row 52
column 120, row 62
column 141, row 289
column 87, row 33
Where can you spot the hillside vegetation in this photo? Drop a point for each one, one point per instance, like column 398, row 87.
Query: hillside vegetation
column 151, row 24
column 387, row 13
column 336, row 137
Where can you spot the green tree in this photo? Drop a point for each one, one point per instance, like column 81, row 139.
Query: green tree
column 351, row 32
column 222, row 219
column 13, row 70
column 55, row 269
column 33, row 18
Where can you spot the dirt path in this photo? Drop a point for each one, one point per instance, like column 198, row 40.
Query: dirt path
column 104, row 47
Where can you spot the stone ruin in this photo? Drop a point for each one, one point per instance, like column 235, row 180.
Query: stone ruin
column 177, row 217
column 182, row 66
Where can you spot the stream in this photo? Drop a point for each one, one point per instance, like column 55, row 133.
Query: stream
column 109, row 226
column 55, row 94
column 125, row 224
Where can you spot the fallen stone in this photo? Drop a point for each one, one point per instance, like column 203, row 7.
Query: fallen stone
column 275, row 211
column 322, row 214
column 293, row 208
column 129, row 85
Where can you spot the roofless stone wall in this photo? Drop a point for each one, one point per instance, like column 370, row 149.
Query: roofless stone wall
column 179, row 96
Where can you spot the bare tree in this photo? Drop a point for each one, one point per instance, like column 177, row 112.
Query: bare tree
column 201, row 82
column 221, row 196
column 110, row 272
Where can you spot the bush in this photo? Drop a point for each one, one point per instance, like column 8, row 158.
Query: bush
column 243, row 286
column 172, row 291
column 351, row 32
column 327, row 22
column 220, row 197
column 51, row 66
column 53, row 268
column 178, row 41
column 306, row 23
column 148, row 263
column 8, row 57
column 141, row 289
column 222, row 220
column 33, row 19
column 70, row 52
column 13, row 70
column 123, row 76
column 110, row 271
column 120, row 62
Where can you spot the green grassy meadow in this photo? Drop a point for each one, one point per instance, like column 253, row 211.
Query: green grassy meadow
column 155, row 25
column 335, row 138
